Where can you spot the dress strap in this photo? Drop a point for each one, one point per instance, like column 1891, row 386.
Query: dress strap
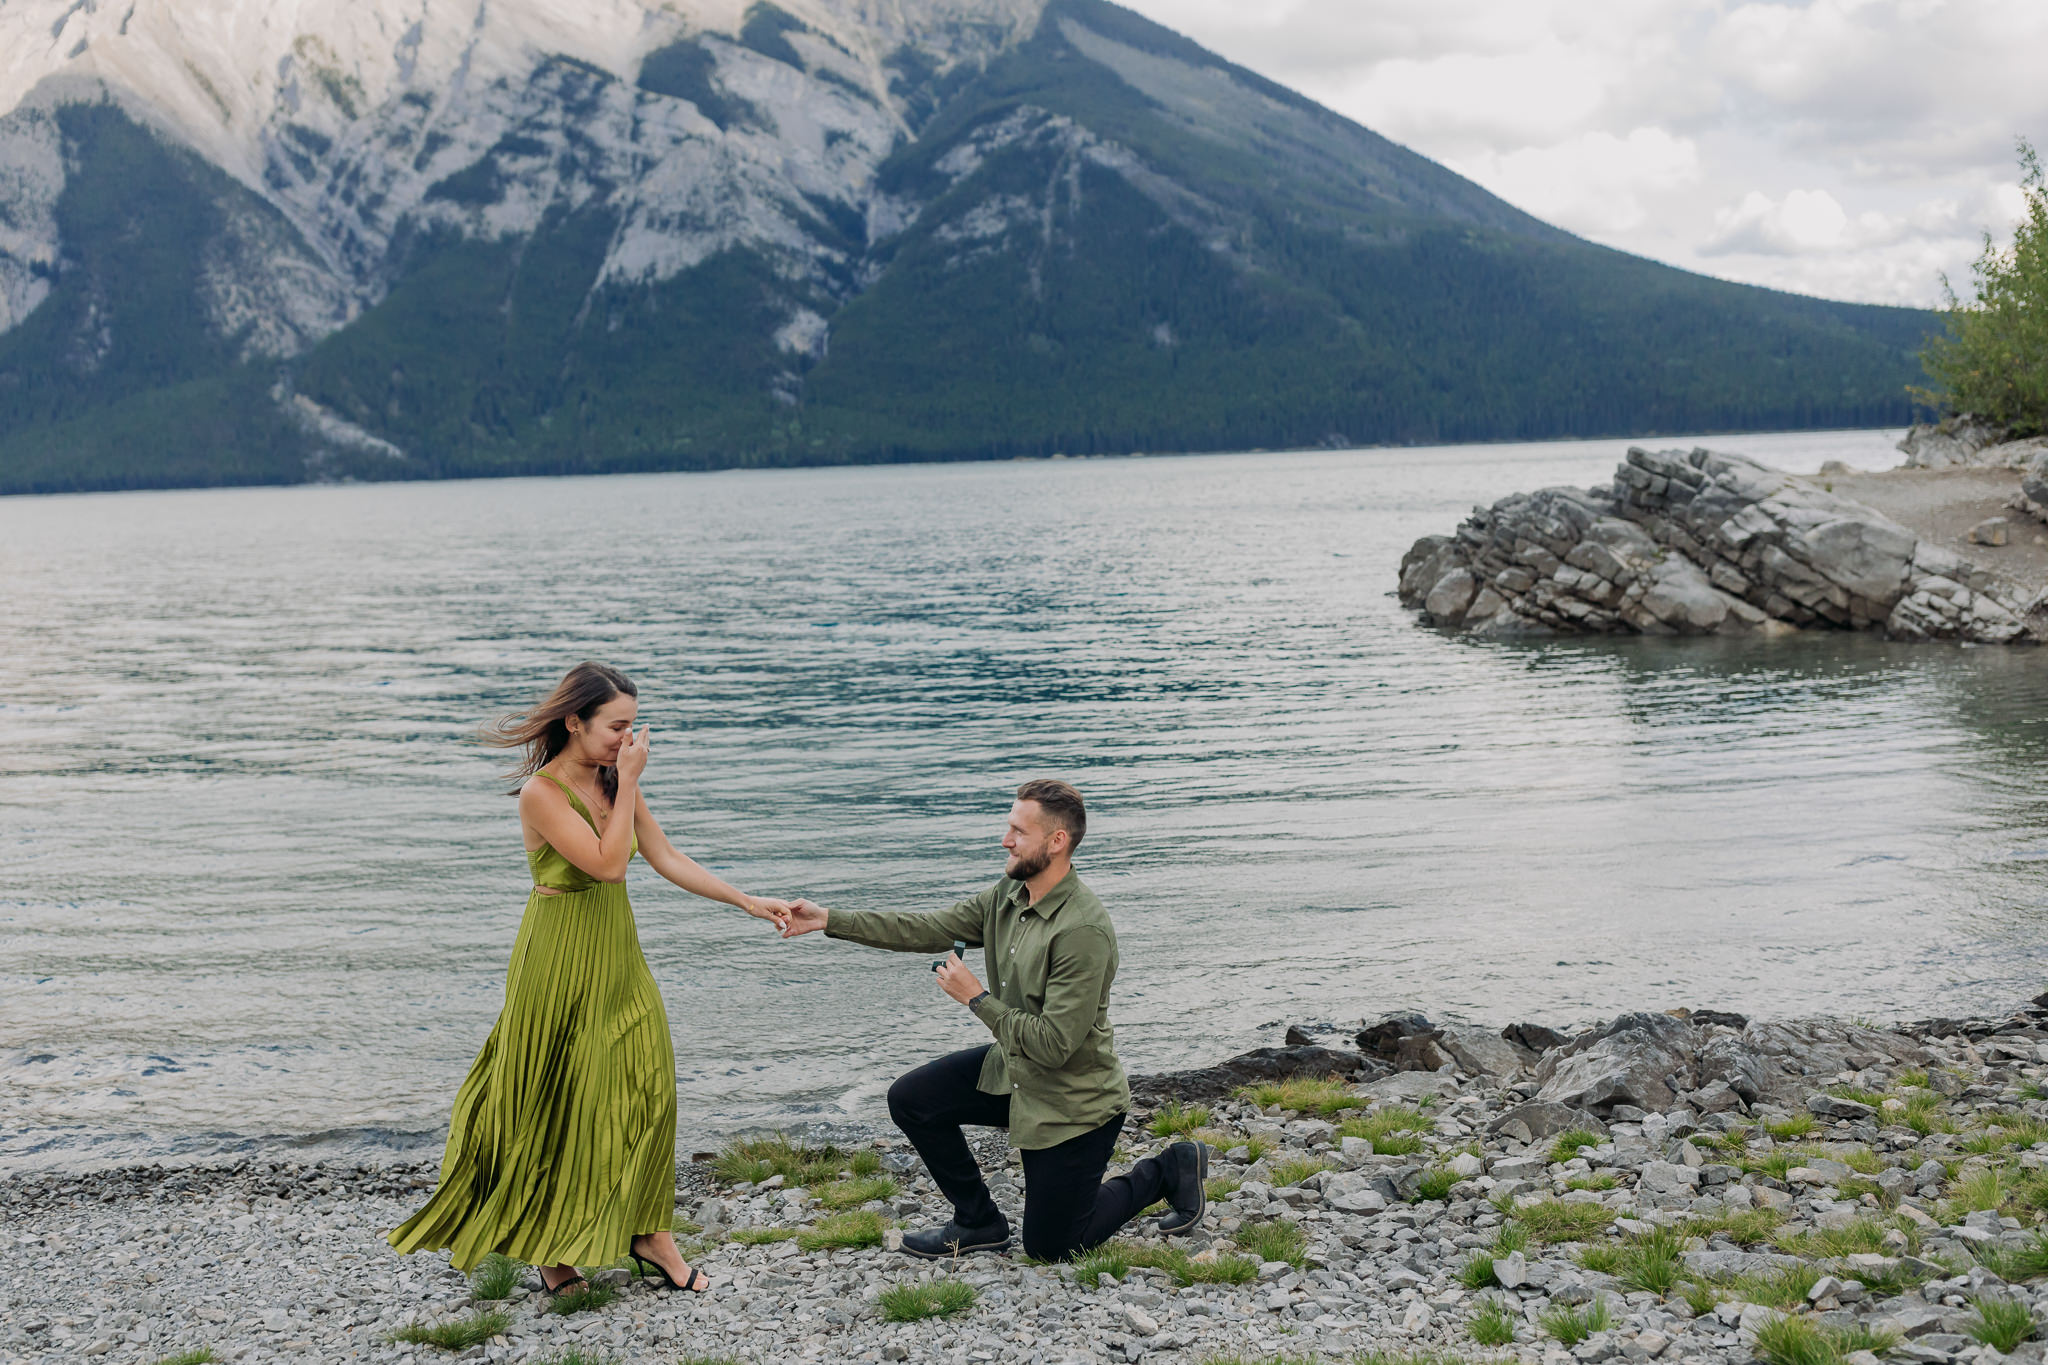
column 574, row 799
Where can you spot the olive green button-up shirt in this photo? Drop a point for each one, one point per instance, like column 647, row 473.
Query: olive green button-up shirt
column 1049, row 967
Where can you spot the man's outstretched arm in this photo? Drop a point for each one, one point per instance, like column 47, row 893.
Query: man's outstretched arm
column 898, row 931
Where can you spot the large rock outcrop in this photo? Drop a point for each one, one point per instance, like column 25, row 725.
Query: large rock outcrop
column 1705, row 543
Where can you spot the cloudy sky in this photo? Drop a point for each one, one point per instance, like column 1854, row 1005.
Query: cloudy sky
column 1853, row 149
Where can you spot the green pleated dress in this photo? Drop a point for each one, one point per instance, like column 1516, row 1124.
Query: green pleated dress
column 562, row 1145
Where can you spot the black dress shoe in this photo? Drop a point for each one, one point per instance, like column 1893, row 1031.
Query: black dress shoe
column 1187, row 1187
column 938, row 1244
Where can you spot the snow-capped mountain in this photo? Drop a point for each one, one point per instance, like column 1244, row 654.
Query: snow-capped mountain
column 446, row 236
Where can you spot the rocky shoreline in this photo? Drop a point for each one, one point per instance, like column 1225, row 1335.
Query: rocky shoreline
column 1706, row 543
column 1688, row 1187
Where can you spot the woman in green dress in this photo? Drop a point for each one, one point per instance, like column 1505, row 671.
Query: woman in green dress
column 561, row 1150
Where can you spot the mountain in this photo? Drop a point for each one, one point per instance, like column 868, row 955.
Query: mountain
column 258, row 242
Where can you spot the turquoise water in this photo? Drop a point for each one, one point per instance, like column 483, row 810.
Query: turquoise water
column 261, row 889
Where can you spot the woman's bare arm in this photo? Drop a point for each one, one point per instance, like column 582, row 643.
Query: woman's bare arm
column 686, row 872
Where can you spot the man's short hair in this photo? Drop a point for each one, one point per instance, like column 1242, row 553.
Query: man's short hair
column 1060, row 801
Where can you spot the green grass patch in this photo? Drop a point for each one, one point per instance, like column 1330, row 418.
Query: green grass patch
column 1395, row 1130
column 1173, row 1120
column 1603, row 1181
column 1222, row 1186
column 1436, row 1183
column 753, row 1237
column 851, row 1194
column 2000, row 1322
column 2016, row 1264
column 1294, row 1170
column 1601, row 1257
column 1862, row 1235
column 460, row 1335
column 1797, row 1126
column 1802, row 1341
column 753, row 1160
column 1512, row 1237
column 1572, row 1325
column 1782, row 1288
column 2021, row 1130
column 1273, row 1240
column 1873, row 1098
column 2034, row 1090
column 1981, row 1190
column 1307, row 1094
column 916, row 1302
column 1492, row 1325
column 1111, row 1258
column 1553, row 1220
column 1915, row 1079
column 1477, row 1271
column 841, row 1230
column 1119, row 1258
column 495, row 1277
column 1926, row 1114
column 198, row 1355
column 1652, row 1261
column 1699, row 1297
column 1568, row 1144
column 586, row 1300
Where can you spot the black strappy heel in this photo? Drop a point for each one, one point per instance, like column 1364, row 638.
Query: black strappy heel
column 699, row 1281
column 567, row 1286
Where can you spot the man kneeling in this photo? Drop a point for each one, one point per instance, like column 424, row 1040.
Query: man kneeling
column 1051, row 1076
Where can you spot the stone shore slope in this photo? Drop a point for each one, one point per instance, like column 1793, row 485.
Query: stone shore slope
column 1704, row 543
column 1693, row 1188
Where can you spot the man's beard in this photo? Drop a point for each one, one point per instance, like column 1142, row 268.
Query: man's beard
column 1023, row 869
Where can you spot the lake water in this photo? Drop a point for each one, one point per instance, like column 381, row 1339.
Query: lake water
column 260, row 889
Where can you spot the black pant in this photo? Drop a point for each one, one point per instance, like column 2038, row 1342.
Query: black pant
column 1068, row 1207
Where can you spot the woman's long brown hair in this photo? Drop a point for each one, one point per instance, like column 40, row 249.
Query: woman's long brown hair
column 543, row 729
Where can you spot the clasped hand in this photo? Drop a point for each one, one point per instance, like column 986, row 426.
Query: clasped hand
column 955, row 977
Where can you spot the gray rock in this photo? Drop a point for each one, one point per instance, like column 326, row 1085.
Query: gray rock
column 1540, row 1119
column 1951, row 442
column 1481, row 1052
column 1834, row 1107
column 1993, row 531
column 1511, row 1270
column 1636, row 1060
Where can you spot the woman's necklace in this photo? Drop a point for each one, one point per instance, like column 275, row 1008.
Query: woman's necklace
column 594, row 802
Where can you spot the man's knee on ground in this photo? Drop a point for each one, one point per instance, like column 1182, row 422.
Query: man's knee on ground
column 1040, row 1246
column 902, row 1110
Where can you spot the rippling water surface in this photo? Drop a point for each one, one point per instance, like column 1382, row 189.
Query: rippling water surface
column 259, row 888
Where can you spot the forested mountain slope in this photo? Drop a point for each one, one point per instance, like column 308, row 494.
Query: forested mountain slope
column 417, row 238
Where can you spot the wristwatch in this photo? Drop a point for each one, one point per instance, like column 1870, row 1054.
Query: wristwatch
column 977, row 1000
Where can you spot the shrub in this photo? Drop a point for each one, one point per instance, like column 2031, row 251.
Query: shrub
column 1994, row 359
column 916, row 1302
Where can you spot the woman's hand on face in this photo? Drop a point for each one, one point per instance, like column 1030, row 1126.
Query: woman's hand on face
column 633, row 755
column 774, row 911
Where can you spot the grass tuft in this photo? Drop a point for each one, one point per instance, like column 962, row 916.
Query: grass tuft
column 1512, row 1237
column 753, row 1237
column 1436, row 1183
column 753, row 1160
column 1294, row 1170
column 916, row 1302
column 1553, row 1220
column 1477, row 1271
column 1802, row 1341
column 1174, row 1121
column 495, row 1277
column 851, row 1194
column 1492, row 1325
column 1308, row 1094
column 198, row 1355
column 460, row 1335
column 1783, row 1288
column 2000, row 1322
column 862, row 1229
column 1797, row 1126
column 1568, row 1144
column 1700, row 1298
column 1274, row 1240
column 1572, row 1325
column 1393, row 1131
column 587, row 1300
column 2016, row 1264
column 1652, row 1261
column 1600, row 1182
column 1111, row 1258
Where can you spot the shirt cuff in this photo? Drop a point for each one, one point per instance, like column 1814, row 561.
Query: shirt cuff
column 990, row 1011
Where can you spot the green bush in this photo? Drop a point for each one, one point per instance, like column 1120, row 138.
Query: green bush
column 1994, row 358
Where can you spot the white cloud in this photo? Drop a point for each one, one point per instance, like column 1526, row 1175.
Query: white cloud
column 1852, row 148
